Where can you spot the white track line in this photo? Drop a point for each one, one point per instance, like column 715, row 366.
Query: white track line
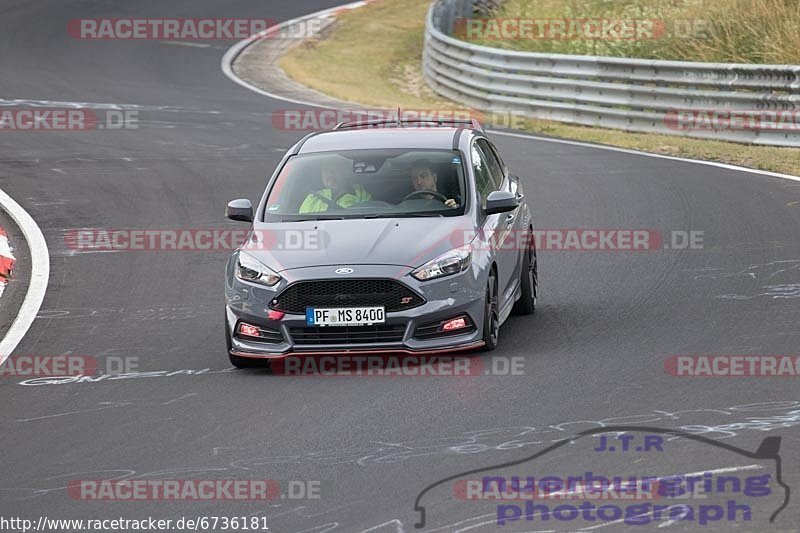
column 234, row 51
column 648, row 154
column 40, row 275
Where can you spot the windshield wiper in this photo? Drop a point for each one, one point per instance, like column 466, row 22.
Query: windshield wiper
column 402, row 215
column 315, row 219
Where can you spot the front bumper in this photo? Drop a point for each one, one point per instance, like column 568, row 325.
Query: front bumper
column 445, row 298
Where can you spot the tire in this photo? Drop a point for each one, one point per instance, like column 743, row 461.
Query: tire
column 529, row 283
column 491, row 319
column 242, row 362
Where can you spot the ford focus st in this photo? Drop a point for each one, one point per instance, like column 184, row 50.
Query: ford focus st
column 368, row 240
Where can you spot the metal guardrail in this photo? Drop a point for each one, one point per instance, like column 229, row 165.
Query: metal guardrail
column 621, row 93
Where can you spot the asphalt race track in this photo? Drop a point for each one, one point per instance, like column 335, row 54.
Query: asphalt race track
column 593, row 354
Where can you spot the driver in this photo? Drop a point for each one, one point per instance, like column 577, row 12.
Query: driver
column 337, row 190
column 423, row 178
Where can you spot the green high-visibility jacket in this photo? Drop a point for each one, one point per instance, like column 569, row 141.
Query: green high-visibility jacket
column 314, row 204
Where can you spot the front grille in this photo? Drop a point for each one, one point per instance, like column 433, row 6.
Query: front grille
column 391, row 294
column 348, row 334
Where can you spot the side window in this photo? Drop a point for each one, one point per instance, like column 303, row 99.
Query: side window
column 483, row 178
column 495, row 167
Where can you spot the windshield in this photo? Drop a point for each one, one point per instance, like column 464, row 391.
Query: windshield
column 368, row 184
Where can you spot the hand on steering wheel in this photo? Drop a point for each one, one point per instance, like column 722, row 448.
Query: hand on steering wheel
column 437, row 195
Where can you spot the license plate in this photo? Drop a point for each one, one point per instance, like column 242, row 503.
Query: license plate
column 345, row 316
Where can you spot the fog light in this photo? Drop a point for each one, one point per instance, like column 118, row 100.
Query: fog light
column 456, row 323
column 248, row 330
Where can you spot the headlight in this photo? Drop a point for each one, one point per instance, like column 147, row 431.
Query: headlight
column 248, row 268
column 452, row 262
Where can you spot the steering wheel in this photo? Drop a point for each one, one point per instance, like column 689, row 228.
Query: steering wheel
column 438, row 195
column 328, row 201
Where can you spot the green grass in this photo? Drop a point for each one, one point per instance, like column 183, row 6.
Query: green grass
column 736, row 31
column 372, row 56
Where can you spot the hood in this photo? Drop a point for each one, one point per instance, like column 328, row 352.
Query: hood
column 407, row 242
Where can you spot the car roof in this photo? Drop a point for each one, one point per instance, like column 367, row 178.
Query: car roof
column 389, row 137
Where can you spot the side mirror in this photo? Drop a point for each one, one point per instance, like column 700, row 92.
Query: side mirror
column 240, row 209
column 500, row 202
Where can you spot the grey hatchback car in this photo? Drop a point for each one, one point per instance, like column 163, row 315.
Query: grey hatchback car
column 391, row 239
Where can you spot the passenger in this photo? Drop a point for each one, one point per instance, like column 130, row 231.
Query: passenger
column 338, row 191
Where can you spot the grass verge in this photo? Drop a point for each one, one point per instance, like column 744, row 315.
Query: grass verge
column 724, row 31
column 373, row 56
